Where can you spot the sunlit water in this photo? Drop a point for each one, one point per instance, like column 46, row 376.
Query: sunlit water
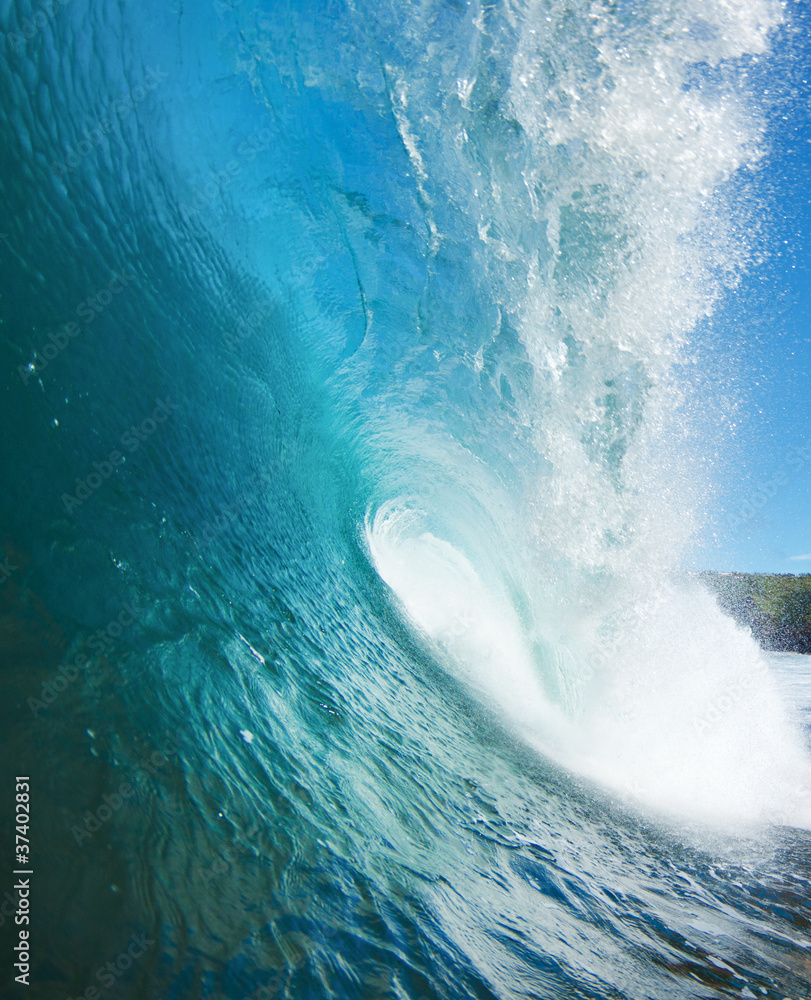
column 348, row 356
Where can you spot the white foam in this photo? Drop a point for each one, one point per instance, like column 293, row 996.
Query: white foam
column 676, row 710
column 472, row 624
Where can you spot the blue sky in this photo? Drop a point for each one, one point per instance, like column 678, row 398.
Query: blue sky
column 761, row 519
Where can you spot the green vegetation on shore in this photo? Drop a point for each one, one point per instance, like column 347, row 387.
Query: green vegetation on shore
column 777, row 607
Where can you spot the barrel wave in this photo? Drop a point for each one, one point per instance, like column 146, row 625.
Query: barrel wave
column 350, row 354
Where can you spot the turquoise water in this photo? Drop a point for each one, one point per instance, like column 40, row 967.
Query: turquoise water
column 348, row 363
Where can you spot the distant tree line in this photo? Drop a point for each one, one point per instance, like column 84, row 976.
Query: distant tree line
column 775, row 606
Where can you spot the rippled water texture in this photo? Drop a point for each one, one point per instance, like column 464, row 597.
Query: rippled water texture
column 346, row 363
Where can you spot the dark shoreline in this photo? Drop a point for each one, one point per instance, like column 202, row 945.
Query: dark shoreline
column 775, row 606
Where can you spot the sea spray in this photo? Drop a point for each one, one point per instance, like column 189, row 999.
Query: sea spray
column 605, row 238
